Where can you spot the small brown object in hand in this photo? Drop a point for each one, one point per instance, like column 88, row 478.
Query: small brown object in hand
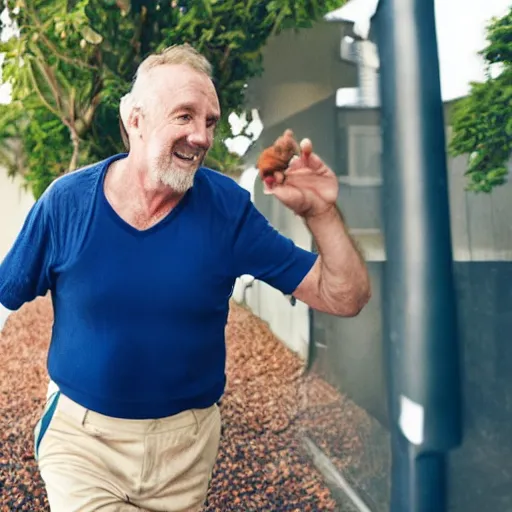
column 276, row 158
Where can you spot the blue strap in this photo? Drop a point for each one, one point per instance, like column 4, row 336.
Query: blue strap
column 44, row 422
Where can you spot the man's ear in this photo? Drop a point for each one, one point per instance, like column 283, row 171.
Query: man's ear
column 135, row 120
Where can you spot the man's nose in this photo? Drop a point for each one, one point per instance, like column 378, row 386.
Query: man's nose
column 200, row 136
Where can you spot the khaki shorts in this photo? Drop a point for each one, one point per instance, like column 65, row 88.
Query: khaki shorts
column 90, row 462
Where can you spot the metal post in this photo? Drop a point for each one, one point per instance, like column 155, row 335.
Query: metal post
column 419, row 298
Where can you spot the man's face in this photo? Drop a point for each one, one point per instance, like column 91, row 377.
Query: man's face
column 178, row 124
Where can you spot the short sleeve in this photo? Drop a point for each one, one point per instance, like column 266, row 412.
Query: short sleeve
column 25, row 271
column 261, row 251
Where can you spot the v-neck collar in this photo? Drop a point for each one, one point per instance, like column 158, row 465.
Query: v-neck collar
column 119, row 220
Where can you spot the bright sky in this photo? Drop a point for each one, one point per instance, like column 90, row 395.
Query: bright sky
column 460, row 26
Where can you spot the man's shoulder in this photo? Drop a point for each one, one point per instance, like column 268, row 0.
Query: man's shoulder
column 221, row 185
column 73, row 195
column 217, row 179
column 221, row 191
column 78, row 181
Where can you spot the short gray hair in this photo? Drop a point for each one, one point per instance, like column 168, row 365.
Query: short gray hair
column 176, row 54
column 180, row 54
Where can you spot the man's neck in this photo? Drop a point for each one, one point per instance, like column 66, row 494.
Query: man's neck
column 132, row 184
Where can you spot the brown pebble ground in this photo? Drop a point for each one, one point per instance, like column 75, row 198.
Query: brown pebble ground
column 261, row 466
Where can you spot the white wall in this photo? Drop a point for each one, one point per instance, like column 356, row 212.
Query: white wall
column 14, row 206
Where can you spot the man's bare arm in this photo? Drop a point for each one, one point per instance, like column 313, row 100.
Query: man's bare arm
column 338, row 283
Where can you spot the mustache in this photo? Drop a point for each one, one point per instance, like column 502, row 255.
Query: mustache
column 188, row 150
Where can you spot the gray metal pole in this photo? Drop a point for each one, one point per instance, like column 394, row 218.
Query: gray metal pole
column 419, row 298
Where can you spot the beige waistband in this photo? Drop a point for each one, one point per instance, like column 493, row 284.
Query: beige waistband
column 83, row 415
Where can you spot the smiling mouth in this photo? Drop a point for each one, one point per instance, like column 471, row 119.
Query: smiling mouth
column 185, row 157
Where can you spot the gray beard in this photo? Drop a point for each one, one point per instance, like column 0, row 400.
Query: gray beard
column 177, row 179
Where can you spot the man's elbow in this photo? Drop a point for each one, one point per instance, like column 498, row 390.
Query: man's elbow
column 357, row 306
column 350, row 303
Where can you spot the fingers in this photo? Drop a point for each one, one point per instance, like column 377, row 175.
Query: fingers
column 272, row 181
column 306, row 147
column 279, row 176
column 304, row 156
column 307, row 158
column 312, row 163
column 295, row 163
column 302, row 179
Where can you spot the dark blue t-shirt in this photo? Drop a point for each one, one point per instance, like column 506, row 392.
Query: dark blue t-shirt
column 140, row 315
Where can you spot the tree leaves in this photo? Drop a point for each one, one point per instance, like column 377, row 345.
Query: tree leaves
column 74, row 60
column 91, row 36
column 482, row 121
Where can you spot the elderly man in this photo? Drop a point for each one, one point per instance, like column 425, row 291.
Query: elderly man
column 140, row 253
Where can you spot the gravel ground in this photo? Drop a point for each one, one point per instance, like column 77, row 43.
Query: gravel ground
column 261, row 466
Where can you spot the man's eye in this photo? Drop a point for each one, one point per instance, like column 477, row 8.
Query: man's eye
column 185, row 117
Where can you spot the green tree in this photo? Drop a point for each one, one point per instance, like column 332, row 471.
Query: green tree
column 72, row 60
column 482, row 121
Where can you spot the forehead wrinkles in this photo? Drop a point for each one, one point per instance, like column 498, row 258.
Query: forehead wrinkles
column 180, row 84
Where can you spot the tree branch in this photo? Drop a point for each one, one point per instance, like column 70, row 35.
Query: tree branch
column 53, row 48
column 225, row 57
column 51, row 80
column 88, row 115
column 75, row 139
column 41, row 96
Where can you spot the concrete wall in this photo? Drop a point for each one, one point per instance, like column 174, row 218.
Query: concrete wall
column 349, row 353
column 302, row 68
